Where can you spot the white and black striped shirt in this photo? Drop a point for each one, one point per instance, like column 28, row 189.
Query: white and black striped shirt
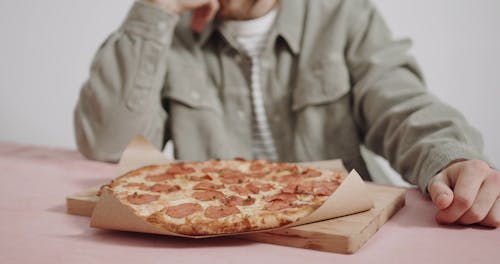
column 252, row 36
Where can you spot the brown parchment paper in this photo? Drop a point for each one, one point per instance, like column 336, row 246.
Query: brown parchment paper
column 350, row 197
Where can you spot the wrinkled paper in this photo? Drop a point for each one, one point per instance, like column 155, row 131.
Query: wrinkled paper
column 109, row 213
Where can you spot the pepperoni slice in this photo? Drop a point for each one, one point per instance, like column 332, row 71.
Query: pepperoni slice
column 266, row 187
column 229, row 171
column 277, row 205
column 234, row 200
column 287, row 178
column 257, row 166
column 231, row 180
column 253, row 188
column 180, row 169
column 289, row 197
column 309, row 173
column 232, row 177
column 286, row 167
column 208, row 195
column 248, row 201
column 256, row 187
column 200, row 178
column 258, row 174
column 183, row 210
column 302, row 188
column 139, row 185
column 205, row 185
column 325, row 188
column 239, row 189
column 165, row 188
column 290, row 188
column 210, row 170
column 216, row 212
column 160, row 177
column 141, row 198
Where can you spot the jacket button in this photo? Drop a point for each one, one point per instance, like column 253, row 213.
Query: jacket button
column 265, row 64
column 161, row 26
column 241, row 114
column 195, row 95
column 150, row 68
column 238, row 58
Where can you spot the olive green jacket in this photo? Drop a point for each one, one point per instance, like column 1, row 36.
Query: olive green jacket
column 333, row 80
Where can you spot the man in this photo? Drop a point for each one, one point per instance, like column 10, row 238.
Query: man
column 290, row 81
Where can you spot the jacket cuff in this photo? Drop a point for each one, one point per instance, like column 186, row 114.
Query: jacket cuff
column 150, row 22
column 439, row 158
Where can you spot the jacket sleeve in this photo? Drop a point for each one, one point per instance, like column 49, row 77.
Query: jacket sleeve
column 400, row 120
column 122, row 97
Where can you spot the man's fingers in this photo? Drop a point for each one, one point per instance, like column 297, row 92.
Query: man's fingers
column 464, row 192
column 203, row 15
column 214, row 7
column 486, row 197
column 493, row 217
column 440, row 192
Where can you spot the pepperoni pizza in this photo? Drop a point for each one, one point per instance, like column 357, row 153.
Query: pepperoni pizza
column 224, row 196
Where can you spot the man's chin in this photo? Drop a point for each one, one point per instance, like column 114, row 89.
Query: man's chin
column 226, row 15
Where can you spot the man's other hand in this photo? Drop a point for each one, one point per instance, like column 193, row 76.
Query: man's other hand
column 203, row 10
column 467, row 192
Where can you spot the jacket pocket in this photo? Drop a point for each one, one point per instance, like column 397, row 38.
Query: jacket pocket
column 323, row 82
column 191, row 88
column 324, row 127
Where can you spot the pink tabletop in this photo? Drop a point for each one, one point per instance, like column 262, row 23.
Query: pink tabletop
column 34, row 226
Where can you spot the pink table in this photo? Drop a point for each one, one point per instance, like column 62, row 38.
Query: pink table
column 34, row 227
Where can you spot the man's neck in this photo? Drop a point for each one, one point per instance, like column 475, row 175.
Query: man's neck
column 252, row 10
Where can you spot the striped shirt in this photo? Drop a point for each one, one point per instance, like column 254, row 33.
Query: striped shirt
column 252, row 36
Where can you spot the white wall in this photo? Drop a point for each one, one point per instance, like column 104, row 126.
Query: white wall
column 45, row 52
column 46, row 48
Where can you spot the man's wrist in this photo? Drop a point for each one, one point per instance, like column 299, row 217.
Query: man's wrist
column 150, row 22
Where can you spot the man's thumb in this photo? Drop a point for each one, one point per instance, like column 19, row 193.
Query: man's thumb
column 440, row 191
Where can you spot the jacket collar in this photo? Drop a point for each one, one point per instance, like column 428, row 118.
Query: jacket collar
column 289, row 25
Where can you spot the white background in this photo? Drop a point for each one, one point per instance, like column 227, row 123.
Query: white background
column 46, row 48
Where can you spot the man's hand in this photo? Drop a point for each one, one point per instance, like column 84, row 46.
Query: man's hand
column 203, row 10
column 467, row 192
